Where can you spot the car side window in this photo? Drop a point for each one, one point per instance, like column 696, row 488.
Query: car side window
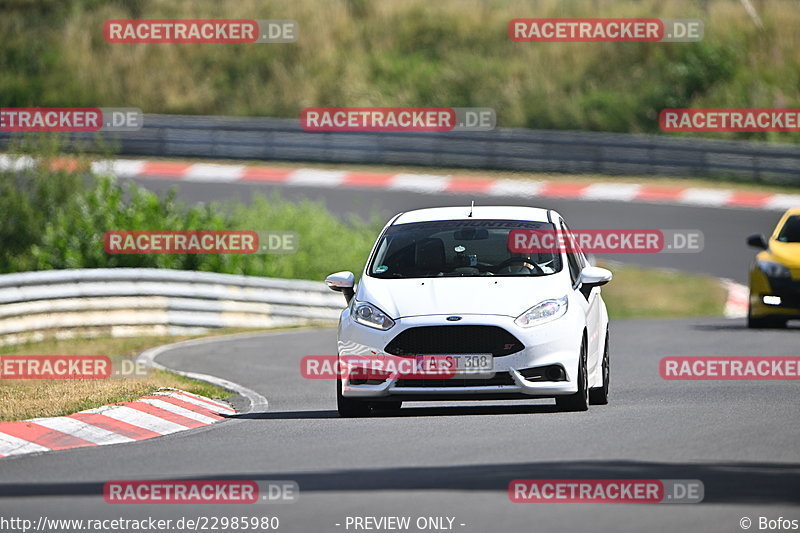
column 574, row 260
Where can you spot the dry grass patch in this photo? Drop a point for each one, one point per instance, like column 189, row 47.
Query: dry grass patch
column 639, row 292
column 28, row 398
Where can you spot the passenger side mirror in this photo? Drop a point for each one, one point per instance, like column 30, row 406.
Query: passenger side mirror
column 757, row 240
column 342, row 282
column 592, row 276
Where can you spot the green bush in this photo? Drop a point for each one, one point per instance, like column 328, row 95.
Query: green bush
column 57, row 220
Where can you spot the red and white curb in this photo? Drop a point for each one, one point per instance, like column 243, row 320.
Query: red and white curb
column 427, row 183
column 163, row 412
column 738, row 299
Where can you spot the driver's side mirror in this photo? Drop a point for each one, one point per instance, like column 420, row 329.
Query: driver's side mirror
column 342, row 282
column 757, row 240
column 592, row 276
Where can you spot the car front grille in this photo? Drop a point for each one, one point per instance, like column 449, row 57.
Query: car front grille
column 501, row 378
column 444, row 340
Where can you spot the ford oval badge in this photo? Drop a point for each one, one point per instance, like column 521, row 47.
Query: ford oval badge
column 454, row 318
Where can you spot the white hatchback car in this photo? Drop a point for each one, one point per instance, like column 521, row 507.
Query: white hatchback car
column 445, row 282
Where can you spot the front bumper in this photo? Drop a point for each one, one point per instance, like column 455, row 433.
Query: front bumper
column 552, row 345
column 786, row 289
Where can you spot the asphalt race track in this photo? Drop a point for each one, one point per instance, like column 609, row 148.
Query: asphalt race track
column 740, row 438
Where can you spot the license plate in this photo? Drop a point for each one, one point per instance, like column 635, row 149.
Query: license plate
column 458, row 364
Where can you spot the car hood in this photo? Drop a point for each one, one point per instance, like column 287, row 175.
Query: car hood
column 785, row 253
column 489, row 295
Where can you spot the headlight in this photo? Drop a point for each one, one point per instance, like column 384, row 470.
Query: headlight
column 369, row 315
column 773, row 270
column 542, row 312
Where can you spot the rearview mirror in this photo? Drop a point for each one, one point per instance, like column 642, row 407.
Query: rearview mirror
column 757, row 240
column 471, row 234
column 342, row 282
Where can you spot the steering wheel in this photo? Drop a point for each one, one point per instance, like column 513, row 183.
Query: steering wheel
column 524, row 262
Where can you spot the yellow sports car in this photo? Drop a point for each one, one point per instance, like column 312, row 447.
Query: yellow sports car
column 775, row 275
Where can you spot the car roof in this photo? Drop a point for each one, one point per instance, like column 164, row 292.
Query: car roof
column 482, row 212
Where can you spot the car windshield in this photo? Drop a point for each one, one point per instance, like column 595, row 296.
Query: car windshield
column 790, row 232
column 459, row 248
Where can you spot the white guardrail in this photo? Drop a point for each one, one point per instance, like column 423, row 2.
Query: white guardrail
column 147, row 301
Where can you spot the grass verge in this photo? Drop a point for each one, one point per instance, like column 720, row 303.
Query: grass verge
column 411, row 53
column 637, row 292
column 28, row 398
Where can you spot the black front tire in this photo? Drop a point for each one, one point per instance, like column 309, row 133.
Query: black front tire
column 599, row 395
column 580, row 400
column 349, row 407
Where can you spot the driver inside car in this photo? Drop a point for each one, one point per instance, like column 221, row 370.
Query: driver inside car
column 518, row 264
